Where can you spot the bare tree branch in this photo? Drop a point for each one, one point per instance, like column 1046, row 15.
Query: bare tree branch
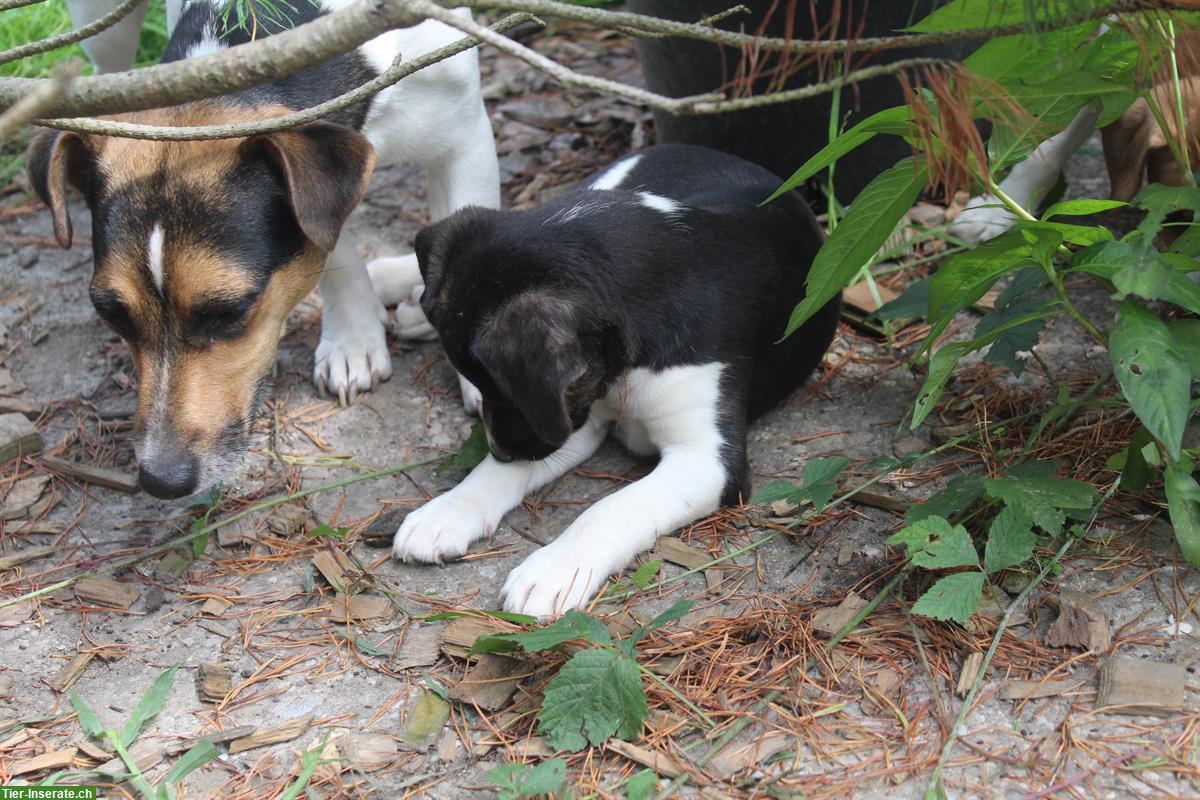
column 8, row 5
column 231, row 70
column 394, row 74
column 33, row 104
column 70, row 37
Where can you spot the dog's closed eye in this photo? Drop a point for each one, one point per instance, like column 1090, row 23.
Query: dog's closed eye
column 114, row 313
column 219, row 318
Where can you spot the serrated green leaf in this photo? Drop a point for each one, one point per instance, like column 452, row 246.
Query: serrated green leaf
column 914, row 302
column 1183, row 506
column 324, row 531
column 933, row 543
column 642, row 785
column 778, row 490
column 151, row 703
column 644, row 575
column 954, row 597
column 571, row 626
column 195, row 758
column 596, row 695
column 675, row 612
column 1108, row 259
column 1010, row 540
column 1152, row 373
column 516, row 780
column 870, row 221
column 959, row 494
column 470, row 453
column 966, row 277
column 87, row 718
column 820, row 479
column 1042, row 499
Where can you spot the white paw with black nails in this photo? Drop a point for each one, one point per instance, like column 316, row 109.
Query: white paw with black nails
column 442, row 530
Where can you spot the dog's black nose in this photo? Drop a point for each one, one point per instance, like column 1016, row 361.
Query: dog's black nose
column 170, row 479
column 503, row 456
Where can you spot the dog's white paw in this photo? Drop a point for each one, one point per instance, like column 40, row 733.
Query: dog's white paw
column 554, row 580
column 352, row 357
column 472, row 398
column 411, row 324
column 982, row 218
column 395, row 278
column 441, row 530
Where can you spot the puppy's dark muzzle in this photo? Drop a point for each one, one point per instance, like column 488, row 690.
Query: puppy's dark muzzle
column 170, row 477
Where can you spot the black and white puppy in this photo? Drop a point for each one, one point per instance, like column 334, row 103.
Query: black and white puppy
column 650, row 302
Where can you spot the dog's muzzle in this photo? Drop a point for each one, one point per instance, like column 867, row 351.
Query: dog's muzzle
column 169, row 475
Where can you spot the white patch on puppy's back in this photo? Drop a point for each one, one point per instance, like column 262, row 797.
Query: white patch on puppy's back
column 584, row 209
column 615, row 175
column 659, row 203
column 208, row 44
column 154, row 255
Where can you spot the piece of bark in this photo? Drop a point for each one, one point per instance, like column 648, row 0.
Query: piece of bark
column 420, row 647
column 970, row 671
column 215, row 606
column 217, row 737
column 38, row 527
column 287, row 519
column 172, row 566
column 832, row 620
column 92, row 751
column 460, row 634
column 877, row 497
column 6, row 685
column 677, row 551
column 739, row 755
column 241, row 531
column 22, row 556
column 100, row 476
column 425, row 716
column 51, row 759
column 145, row 753
column 66, row 677
column 14, row 615
column 845, row 553
column 662, row 763
column 360, row 607
column 1135, row 686
column 1031, row 690
column 1080, row 623
column 859, row 296
column 333, row 569
column 490, row 681
column 284, row 732
column 367, row 752
column 15, row 405
column 884, row 684
column 23, row 494
column 18, row 437
column 106, row 593
column 213, row 683
column 447, row 745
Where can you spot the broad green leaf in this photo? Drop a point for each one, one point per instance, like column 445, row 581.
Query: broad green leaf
column 966, row 277
column 778, row 490
column 1168, row 199
column 672, row 614
column 151, row 703
column 820, row 479
column 1010, row 540
column 954, row 597
column 1020, row 339
column 872, row 218
column 195, row 758
column 1079, row 208
column 1183, row 505
column 1108, row 259
column 596, row 695
column 958, row 495
column 472, row 451
column 891, row 120
column 960, row 14
column 324, row 531
column 1186, row 333
column 87, row 718
column 1082, row 235
column 933, row 543
column 913, row 303
column 1019, row 57
column 1042, row 499
column 1152, row 373
column 644, row 575
column 642, row 785
column 516, row 780
column 570, row 627
column 1135, row 472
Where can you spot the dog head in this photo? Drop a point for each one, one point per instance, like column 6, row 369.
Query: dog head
column 201, row 250
column 515, row 319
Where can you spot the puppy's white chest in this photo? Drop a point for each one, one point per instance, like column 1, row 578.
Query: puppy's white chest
column 654, row 409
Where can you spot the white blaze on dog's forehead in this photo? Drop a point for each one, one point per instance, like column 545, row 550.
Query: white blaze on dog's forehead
column 615, row 175
column 659, row 203
column 154, row 255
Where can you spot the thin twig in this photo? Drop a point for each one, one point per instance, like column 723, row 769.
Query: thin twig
column 70, row 37
column 29, row 108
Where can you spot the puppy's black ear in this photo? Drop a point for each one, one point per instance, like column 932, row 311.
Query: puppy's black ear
column 326, row 167
column 434, row 243
column 54, row 159
column 531, row 349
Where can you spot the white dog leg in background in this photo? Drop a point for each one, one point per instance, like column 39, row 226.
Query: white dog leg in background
column 112, row 49
column 1027, row 183
column 353, row 355
column 448, row 524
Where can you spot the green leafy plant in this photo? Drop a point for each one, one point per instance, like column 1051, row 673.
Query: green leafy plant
column 121, row 741
column 597, row 694
column 515, row 780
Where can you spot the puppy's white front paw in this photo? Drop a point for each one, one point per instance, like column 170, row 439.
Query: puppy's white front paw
column 352, row 357
column 554, row 580
column 472, row 398
column 982, row 219
column 411, row 324
column 394, row 278
column 442, row 529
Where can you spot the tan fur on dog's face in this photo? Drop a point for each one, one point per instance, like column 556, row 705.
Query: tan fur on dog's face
column 202, row 249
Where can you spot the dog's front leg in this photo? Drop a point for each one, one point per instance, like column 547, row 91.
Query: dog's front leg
column 447, row 525
column 352, row 356
column 685, row 486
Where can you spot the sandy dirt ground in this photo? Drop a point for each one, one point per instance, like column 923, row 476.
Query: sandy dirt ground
column 866, row 719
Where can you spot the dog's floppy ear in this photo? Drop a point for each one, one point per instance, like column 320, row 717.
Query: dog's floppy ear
column 326, row 167
column 434, row 243
column 532, row 351
column 54, row 159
